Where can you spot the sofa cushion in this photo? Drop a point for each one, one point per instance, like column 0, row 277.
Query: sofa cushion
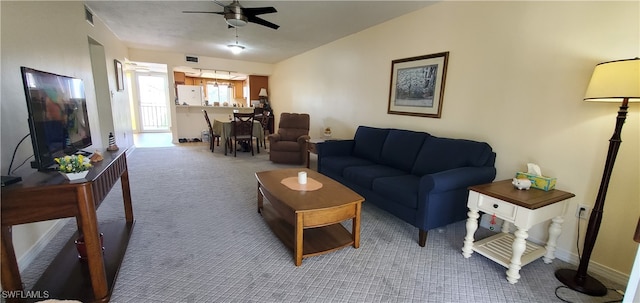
column 337, row 164
column 401, row 147
column 369, row 142
column 364, row 175
column 440, row 154
column 400, row 189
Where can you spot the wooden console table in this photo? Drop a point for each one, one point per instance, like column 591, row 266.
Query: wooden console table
column 48, row 195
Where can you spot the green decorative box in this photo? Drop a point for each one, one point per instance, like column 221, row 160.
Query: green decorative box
column 539, row 182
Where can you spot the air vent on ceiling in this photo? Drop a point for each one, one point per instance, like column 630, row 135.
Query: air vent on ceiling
column 192, row 59
column 88, row 15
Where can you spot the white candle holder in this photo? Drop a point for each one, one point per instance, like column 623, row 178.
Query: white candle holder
column 302, row 177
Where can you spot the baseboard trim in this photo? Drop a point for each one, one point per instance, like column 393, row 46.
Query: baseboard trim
column 33, row 251
column 130, row 150
column 594, row 267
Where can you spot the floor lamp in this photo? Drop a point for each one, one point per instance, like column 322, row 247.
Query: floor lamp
column 613, row 81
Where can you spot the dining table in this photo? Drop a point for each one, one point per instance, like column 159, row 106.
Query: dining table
column 223, row 128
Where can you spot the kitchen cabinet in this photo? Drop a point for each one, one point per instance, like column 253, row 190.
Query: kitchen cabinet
column 179, row 77
column 255, row 84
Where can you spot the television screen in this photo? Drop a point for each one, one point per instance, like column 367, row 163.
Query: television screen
column 58, row 118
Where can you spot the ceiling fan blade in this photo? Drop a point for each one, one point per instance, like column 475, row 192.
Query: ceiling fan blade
column 199, row 12
column 258, row 10
column 261, row 21
column 219, row 3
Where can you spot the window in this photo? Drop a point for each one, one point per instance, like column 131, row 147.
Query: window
column 217, row 92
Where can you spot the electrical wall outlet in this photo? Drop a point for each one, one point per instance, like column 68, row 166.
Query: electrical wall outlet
column 583, row 211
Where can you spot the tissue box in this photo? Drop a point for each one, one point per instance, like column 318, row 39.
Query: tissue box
column 539, row 182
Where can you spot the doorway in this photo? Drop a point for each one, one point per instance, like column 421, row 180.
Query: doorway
column 153, row 106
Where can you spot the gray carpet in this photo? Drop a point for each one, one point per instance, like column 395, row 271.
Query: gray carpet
column 199, row 238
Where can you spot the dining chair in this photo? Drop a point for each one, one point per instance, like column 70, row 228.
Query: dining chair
column 242, row 131
column 213, row 137
column 264, row 122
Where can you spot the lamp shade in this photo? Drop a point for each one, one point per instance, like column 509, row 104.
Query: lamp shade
column 614, row 81
column 263, row 92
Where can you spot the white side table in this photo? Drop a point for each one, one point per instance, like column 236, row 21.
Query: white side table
column 524, row 209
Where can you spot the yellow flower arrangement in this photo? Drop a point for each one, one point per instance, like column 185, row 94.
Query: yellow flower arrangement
column 73, row 164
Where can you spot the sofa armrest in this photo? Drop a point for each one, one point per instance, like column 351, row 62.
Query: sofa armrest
column 442, row 196
column 456, row 178
column 335, row 148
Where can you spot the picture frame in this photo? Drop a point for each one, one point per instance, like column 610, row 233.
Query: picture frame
column 119, row 75
column 417, row 85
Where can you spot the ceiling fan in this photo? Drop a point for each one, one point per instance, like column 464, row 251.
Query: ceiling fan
column 237, row 16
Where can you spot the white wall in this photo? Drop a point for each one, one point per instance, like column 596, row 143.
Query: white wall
column 54, row 37
column 516, row 77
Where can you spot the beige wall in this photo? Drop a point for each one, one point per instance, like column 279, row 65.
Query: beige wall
column 516, row 76
column 54, row 37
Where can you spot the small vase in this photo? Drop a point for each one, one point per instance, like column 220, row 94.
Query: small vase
column 75, row 176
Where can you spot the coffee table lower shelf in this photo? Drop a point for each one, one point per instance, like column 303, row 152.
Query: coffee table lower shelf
column 68, row 277
column 316, row 241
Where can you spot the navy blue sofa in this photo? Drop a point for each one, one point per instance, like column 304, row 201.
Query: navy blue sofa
column 420, row 178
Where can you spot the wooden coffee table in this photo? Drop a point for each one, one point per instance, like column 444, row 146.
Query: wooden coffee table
column 308, row 221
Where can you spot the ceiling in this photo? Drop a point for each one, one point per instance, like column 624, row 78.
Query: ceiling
column 304, row 25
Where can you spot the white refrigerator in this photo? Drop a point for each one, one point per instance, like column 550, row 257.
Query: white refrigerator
column 190, row 94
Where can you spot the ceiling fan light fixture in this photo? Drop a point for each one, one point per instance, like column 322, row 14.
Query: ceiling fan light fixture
column 236, row 48
column 235, row 20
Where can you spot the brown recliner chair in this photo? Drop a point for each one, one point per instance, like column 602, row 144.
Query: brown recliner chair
column 289, row 144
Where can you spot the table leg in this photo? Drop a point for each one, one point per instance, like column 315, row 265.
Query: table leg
column 297, row 246
column 506, row 226
column 472, row 226
column 518, row 247
column 260, row 199
column 554, row 232
column 126, row 196
column 10, row 273
column 89, row 222
column 355, row 228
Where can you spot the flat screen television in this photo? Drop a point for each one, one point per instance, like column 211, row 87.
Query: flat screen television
column 58, row 118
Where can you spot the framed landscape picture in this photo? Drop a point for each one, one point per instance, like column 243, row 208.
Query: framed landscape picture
column 119, row 75
column 417, row 85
